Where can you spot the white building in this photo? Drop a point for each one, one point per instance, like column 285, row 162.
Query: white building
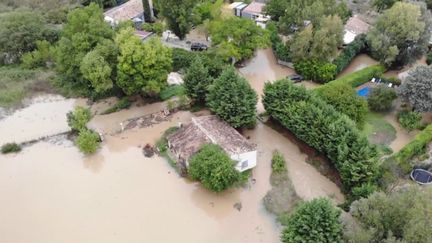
column 210, row 129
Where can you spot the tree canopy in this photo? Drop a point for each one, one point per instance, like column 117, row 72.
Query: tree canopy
column 197, row 80
column 142, row 67
column 401, row 216
column 178, row 15
column 401, row 34
column 417, row 89
column 233, row 99
column 313, row 221
column 237, row 37
column 213, row 167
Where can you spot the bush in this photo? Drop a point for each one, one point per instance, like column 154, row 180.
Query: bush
column 316, row 70
column 381, row 98
column 182, row 59
column 409, row 120
column 362, row 76
column 319, row 125
column 278, row 163
column 78, row 118
column 232, row 98
column 429, row 58
column 123, row 103
column 415, row 147
column 171, row 91
column 349, row 52
column 345, row 100
column 88, row 141
column 214, row 168
column 280, row 49
column 313, row 221
column 10, row 148
column 162, row 143
column 157, row 28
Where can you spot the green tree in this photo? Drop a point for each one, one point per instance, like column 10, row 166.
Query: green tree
column 44, row 54
column 381, row 5
column 276, row 8
column 78, row 118
column 238, row 38
column 400, row 35
column 233, row 99
column 178, row 15
column 95, row 69
column 417, row 89
column 88, row 141
column 301, row 45
column 84, row 31
column 345, row 100
column 381, row 98
column 313, row 221
column 213, row 167
column 19, row 32
column 142, row 68
column 197, row 81
column 400, row 216
column 409, row 120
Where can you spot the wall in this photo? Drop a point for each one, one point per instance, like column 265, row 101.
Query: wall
column 251, row 157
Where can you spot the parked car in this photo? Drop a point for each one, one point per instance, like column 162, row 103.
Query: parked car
column 295, row 78
column 198, row 47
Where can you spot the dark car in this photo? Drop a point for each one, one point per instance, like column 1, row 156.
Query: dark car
column 198, row 47
column 296, row 78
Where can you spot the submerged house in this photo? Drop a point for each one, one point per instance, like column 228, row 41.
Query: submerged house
column 131, row 10
column 210, row 129
column 354, row 27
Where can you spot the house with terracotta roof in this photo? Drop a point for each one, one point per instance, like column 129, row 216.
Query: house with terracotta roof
column 253, row 10
column 188, row 140
column 131, row 10
column 353, row 27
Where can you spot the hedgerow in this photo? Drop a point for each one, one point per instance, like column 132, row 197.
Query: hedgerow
column 349, row 52
column 362, row 76
column 322, row 127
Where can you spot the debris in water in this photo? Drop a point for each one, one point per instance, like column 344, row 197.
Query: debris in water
column 148, row 151
column 238, row 206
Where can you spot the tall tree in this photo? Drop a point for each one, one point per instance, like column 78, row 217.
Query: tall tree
column 233, row 99
column 197, row 80
column 401, row 34
column 178, row 14
column 19, row 32
column 417, row 88
column 142, row 68
column 84, row 31
column 313, row 221
column 238, row 38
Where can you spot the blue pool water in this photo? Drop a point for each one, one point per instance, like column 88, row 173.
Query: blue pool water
column 364, row 92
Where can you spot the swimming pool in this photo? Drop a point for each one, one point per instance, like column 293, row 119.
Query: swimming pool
column 364, row 92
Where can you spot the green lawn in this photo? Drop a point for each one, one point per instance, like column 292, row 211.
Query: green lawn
column 378, row 130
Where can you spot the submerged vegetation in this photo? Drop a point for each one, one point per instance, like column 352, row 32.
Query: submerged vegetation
column 10, row 148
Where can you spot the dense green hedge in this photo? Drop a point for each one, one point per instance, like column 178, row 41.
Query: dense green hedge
column 362, row 76
column 280, row 49
column 415, row 147
column 349, row 52
column 182, row 59
column 316, row 70
column 322, row 127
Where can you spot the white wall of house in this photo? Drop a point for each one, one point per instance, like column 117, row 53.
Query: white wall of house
column 246, row 160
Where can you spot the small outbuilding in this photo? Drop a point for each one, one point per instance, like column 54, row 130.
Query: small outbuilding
column 253, row 10
column 187, row 141
column 131, row 10
column 238, row 7
column 354, row 26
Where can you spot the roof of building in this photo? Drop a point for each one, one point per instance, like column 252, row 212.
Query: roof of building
column 356, row 25
column 126, row 11
column 235, row 4
column 208, row 129
column 143, row 34
column 254, row 7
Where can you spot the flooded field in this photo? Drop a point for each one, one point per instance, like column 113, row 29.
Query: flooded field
column 359, row 62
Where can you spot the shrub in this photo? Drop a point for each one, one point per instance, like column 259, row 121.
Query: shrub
column 319, row 125
column 123, row 103
column 214, row 168
column 156, row 28
column 415, row 147
column 278, row 163
column 78, row 118
column 381, row 98
column 313, row 221
column 316, row 70
column 88, row 141
column 171, row 91
column 345, row 100
column 232, row 98
column 280, row 49
column 162, row 143
column 362, row 76
column 429, row 58
column 182, row 59
column 409, row 120
column 10, row 148
column 349, row 52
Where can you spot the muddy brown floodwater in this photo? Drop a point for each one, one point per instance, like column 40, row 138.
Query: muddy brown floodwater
column 359, row 62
